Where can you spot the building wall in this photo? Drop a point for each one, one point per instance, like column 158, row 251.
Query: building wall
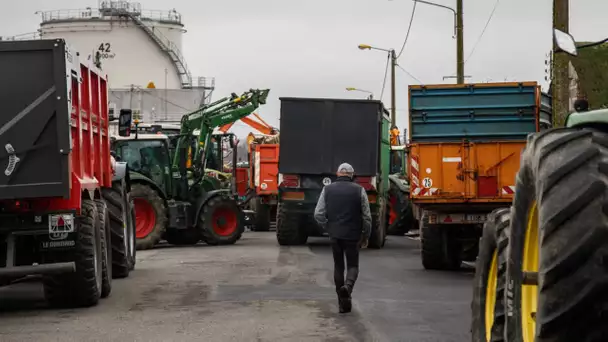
column 129, row 55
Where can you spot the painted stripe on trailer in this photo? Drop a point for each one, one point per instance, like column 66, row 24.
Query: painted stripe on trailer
column 508, row 190
column 415, row 180
column 256, row 176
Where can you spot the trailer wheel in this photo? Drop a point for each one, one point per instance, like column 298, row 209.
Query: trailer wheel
column 221, row 221
column 261, row 221
column 183, row 237
column 377, row 238
column 289, row 229
column 440, row 249
column 151, row 215
column 106, row 258
column 122, row 228
column 560, row 206
column 489, row 282
column 400, row 214
column 83, row 287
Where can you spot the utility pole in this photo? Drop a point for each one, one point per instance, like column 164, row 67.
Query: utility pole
column 459, row 44
column 561, row 80
column 393, row 97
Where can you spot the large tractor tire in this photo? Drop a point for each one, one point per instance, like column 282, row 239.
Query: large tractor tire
column 122, row 225
column 400, row 214
column 150, row 216
column 440, row 248
column 82, row 288
column 490, row 279
column 106, row 247
column 290, row 231
column 190, row 236
column 558, row 293
column 377, row 237
column 221, row 221
column 261, row 221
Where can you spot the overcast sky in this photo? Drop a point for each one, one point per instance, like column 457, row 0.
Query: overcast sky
column 309, row 48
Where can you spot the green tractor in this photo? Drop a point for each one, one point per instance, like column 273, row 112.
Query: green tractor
column 541, row 272
column 180, row 191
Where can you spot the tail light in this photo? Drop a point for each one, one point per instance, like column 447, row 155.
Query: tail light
column 368, row 183
column 289, row 181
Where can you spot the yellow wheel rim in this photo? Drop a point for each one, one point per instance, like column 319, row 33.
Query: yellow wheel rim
column 529, row 293
column 491, row 295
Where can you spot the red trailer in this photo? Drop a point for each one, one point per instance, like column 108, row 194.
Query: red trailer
column 63, row 200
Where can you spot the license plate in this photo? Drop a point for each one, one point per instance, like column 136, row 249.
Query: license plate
column 476, row 218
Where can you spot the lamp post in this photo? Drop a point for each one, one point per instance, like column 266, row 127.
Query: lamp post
column 458, row 28
column 393, row 58
column 370, row 97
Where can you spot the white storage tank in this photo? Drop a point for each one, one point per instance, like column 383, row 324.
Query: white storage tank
column 134, row 46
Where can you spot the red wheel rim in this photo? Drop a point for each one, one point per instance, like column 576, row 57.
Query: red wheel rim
column 145, row 218
column 392, row 214
column 224, row 221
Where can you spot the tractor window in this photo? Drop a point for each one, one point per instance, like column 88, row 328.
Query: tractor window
column 397, row 162
column 148, row 157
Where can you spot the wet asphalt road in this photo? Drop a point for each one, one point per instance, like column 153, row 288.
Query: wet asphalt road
column 255, row 291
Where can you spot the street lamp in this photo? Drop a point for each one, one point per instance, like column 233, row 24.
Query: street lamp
column 458, row 28
column 371, row 95
column 393, row 58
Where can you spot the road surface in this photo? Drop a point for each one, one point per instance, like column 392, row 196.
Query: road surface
column 255, row 291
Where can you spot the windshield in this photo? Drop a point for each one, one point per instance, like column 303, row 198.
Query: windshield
column 147, row 157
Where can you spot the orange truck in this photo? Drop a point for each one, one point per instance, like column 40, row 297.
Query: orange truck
column 465, row 143
column 258, row 181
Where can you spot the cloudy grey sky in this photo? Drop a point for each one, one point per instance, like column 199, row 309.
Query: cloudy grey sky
column 309, row 48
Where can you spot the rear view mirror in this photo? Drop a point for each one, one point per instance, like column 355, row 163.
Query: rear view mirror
column 124, row 122
column 565, row 42
column 232, row 141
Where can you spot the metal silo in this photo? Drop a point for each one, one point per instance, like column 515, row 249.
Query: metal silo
column 136, row 48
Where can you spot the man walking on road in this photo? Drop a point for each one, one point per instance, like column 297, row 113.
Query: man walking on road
column 343, row 209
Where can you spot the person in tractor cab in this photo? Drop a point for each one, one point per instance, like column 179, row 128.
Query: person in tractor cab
column 581, row 105
column 343, row 210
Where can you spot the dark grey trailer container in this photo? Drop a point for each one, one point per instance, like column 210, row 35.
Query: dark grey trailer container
column 318, row 134
column 34, row 119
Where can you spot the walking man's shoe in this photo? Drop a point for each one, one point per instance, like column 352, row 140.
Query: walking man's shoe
column 344, row 299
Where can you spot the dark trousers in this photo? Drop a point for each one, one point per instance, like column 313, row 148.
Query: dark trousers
column 350, row 250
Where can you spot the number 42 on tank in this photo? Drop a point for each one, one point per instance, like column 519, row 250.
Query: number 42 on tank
column 105, row 51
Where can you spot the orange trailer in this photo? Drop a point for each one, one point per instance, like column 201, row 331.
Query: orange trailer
column 464, row 152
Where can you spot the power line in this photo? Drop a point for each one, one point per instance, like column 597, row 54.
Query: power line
column 483, row 31
column 407, row 35
column 388, row 60
column 409, row 74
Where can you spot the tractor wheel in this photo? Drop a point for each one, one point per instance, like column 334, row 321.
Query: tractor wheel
column 377, row 238
column 122, row 228
column 261, row 221
column 557, row 293
column 489, row 282
column 83, row 287
column 150, row 216
column 106, row 246
column 400, row 214
column 132, row 220
column 221, row 221
column 190, row 236
column 289, row 229
column 440, row 248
